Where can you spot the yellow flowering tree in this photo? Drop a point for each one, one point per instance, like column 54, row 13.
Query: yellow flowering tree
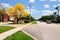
column 18, row 11
column 25, row 14
column 11, row 11
column 19, row 7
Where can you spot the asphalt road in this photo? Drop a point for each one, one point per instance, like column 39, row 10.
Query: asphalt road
column 44, row 31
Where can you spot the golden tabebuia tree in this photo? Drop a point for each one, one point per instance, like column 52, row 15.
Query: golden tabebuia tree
column 17, row 12
column 11, row 11
column 19, row 7
column 24, row 14
column 1, row 11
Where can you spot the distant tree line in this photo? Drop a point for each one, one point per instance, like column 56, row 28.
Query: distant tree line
column 55, row 17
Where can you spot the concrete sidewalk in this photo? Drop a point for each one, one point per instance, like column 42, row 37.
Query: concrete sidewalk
column 4, row 23
column 5, row 34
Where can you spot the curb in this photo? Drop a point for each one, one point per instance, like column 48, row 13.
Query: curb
column 30, row 35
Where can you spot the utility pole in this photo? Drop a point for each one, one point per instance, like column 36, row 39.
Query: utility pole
column 30, row 12
column 31, row 7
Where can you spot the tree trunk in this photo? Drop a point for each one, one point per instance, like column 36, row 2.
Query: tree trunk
column 16, row 19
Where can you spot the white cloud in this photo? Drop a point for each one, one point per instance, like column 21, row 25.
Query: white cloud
column 33, row 11
column 43, row 0
column 27, row 7
column 5, row 5
column 46, row 12
column 31, row 1
column 46, row 6
column 59, row 12
column 56, row 5
column 52, row 0
column 59, row 0
column 55, row 11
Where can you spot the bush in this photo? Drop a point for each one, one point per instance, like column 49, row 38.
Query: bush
column 26, row 21
column 55, row 21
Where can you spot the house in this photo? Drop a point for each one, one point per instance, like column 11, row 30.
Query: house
column 3, row 17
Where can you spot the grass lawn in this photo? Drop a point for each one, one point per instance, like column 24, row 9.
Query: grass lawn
column 19, row 36
column 34, row 22
column 5, row 28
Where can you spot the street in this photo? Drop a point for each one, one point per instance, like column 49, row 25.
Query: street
column 44, row 31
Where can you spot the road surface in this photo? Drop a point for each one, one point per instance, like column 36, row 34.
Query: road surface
column 44, row 31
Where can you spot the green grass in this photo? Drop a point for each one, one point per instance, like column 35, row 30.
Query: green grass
column 19, row 36
column 34, row 22
column 5, row 28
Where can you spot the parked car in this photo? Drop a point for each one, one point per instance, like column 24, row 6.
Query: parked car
column 48, row 21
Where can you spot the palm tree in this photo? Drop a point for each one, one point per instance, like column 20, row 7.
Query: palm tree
column 57, row 8
column 55, row 16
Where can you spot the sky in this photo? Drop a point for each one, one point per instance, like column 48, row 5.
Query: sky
column 38, row 7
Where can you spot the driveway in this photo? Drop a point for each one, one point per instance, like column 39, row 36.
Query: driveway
column 43, row 31
column 11, row 24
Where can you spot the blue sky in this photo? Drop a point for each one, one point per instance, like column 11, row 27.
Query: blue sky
column 39, row 7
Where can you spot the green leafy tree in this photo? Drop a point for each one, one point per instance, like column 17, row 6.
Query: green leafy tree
column 47, row 17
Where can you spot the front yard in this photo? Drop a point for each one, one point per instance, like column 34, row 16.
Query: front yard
column 5, row 28
column 19, row 36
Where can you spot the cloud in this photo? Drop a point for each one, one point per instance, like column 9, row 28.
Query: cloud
column 27, row 7
column 33, row 11
column 43, row 0
column 46, row 12
column 52, row 0
column 59, row 0
column 31, row 1
column 56, row 5
column 5, row 5
column 46, row 6
column 59, row 12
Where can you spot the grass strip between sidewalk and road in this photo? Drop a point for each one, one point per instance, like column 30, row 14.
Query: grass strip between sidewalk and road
column 34, row 22
column 20, row 35
column 5, row 28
